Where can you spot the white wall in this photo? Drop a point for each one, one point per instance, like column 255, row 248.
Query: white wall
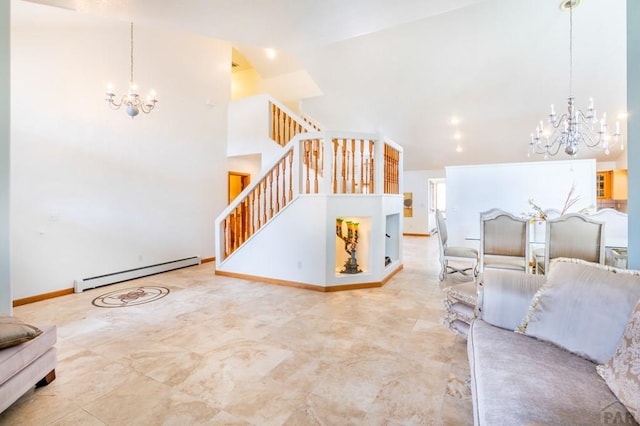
column 93, row 191
column 417, row 182
column 5, row 264
column 509, row 186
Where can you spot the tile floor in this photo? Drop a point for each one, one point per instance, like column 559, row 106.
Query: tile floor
column 219, row 350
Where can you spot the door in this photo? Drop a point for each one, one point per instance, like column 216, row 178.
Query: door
column 237, row 183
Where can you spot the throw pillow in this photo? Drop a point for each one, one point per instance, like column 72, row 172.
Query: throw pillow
column 622, row 371
column 583, row 307
column 13, row 331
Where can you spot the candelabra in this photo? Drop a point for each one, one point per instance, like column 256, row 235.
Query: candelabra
column 350, row 245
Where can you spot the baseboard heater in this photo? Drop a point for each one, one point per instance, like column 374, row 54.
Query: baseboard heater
column 101, row 280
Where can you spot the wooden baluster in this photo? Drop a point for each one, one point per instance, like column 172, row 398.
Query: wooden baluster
column 235, row 229
column 315, row 143
column 389, row 166
column 240, row 220
column 284, row 181
column 353, row 166
column 272, row 110
column 335, row 166
column 372, row 183
column 225, row 233
column 287, row 130
column 251, row 225
column 276, row 120
column 320, row 154
column 277, row 170
column 264, row 201
column 307, row 165
column 343, row 187
column 291, row 175
column 280, row 126
column 386, row 168
column 361, row 166
column 230, row 235
column 270, row 194
column 396, row 164
column 256, row 190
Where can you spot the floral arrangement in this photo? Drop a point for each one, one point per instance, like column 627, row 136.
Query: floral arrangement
column 538, row 214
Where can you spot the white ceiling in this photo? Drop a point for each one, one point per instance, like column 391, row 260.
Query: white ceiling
column 404, row 67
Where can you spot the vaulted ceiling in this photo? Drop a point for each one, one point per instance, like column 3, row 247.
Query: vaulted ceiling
column 406, row 67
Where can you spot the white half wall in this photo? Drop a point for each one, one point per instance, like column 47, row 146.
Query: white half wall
column 93, row 191
column 509, row 186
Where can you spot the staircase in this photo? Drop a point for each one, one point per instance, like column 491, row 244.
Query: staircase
column 282, row 227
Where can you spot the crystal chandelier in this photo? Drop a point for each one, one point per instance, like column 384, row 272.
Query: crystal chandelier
column 131, row 100
column 574, row 127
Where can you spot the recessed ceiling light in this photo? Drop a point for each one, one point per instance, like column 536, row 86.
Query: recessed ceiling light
column 271, row 53
column 455, row 120
column 457, row 135
column 458, row 148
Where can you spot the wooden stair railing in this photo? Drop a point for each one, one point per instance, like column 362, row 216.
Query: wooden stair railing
column 391, row 170
column 352, row 170
column 284, row 127
column 270, row 195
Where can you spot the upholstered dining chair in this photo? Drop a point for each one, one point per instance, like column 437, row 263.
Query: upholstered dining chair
column 537, row 240
column 575, row 236
column 504, row 241
column 456, row 254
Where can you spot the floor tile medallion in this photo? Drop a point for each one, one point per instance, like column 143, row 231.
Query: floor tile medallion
column 130, row 296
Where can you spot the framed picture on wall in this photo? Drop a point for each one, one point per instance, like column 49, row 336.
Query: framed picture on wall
column 408, row 204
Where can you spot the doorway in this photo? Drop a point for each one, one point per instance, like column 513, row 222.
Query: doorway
column 437, row 200
column 237, row 183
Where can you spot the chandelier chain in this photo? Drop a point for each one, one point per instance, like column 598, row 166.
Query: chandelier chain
column 131, row 78
column 570, row 49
